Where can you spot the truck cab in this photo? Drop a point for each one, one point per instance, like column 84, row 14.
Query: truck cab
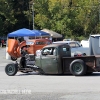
column 50, row 60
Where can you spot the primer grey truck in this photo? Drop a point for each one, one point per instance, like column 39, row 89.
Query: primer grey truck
column 56, row 59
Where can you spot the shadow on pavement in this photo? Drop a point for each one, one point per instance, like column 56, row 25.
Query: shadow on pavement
column 30, row 73
column 37, row 73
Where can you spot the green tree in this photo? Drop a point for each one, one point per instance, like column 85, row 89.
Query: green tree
column 6, row 17
column 72, row 18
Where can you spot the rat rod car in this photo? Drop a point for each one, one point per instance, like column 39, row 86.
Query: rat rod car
column 23, row 42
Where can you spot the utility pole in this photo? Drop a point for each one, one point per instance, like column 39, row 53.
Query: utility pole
column 29, row 14
column 99, row 16
column 99, row 11
column 33, row 14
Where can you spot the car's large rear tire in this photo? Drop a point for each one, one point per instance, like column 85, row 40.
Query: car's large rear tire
column 78, row 67
column 11, row 69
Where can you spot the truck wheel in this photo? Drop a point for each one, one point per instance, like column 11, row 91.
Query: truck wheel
column 78, row 68
column 11, row 69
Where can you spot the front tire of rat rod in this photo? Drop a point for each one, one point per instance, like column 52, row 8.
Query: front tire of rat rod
column 78, row 67
column 11, row 69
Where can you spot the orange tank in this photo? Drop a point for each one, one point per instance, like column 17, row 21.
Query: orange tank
column 12, row 47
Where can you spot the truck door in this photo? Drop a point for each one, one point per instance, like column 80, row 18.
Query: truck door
column 49, row 60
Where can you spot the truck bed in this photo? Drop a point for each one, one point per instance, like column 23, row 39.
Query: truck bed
column 92, row 63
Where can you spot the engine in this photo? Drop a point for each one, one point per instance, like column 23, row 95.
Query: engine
column 30, row 59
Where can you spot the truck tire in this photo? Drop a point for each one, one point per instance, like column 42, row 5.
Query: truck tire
column 11, row 69
column 78, row 67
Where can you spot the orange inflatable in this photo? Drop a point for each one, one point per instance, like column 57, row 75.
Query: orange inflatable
column 15, row 47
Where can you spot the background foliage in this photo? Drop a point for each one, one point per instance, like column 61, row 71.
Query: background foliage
column 75, row 19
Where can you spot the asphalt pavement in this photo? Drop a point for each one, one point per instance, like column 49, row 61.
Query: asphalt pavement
column 33, row 86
